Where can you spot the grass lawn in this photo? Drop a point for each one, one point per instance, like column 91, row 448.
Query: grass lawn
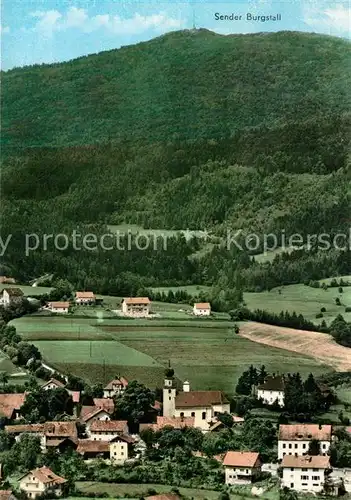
column 118, row 490
column 204, row 350
column 29, row 291
column 303, row 300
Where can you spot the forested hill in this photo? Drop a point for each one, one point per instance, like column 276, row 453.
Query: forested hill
column 184, row 85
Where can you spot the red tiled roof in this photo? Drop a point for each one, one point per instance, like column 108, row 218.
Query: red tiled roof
column 202, row 305
column 176, row 422
column 88, row 412
column 304, row 432
column 241, row 459
column 199, row 399
column 85, row 295
column 89, row 446
column 136, row 300
column 45, row 475
column 106, row 404
column 11, row 402
column 117, row 381
column 108, row 425
column 7, row 495
column 58, row 305
column 75, row 396
column 306, row 462
column 50, row 429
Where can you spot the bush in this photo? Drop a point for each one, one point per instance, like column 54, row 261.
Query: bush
column 323, row 310
column 319, row 315
column 348, row 309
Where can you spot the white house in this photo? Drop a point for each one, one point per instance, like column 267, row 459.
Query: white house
column 241, row 466
column 85, row 298
column 306, row 473
column 58, row 307
column 137, row 307
column 119, row 449
column 203, row 406
column 10, row 296
column 272, row 390
column 115, row 387
column 202, row 309
column 106, row 430
column 294, row 439
column 52, row 384
column 41, row 481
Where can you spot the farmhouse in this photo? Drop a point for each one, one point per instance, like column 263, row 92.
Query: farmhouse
column 85, row 298
column 49, row 432
column 306, row 473
column 106, row 404
column 89, row 414
column 10, row 405
column 202, row 309
column 272, row 390
column 58, row 307
column 295, row 439
column 105, row 430
column 115, row 387
column 119, row 449
column 137, row 307
column 91, row 449
column 241, row 466
column 175, row 422
column 41, row 481
column 5, row 280
column 52, row 384
column 203, row 406
column 10, row 296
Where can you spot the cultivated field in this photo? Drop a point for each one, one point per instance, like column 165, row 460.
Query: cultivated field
column 320, row 346
column 205, row 351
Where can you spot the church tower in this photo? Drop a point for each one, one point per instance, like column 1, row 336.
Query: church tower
column 169, row 394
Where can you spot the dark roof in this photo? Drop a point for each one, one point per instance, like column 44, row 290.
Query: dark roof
column 14, row 292
column 199, row 398
column 273, row 383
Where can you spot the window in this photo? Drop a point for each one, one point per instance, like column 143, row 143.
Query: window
column 193, row 414
column 324, row 446
column 304, row 478
column 169, row 391
column 290, row 445
column 292, row 485
column 170, row 398
column 296, row 446
column 182, row 414
column 203, row 415
column 284, row 445
column 315, row 478
column 304, row 446
column 304, row 470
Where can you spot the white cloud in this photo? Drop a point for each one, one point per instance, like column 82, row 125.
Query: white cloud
column 48, row 21
column 4, row 30
column 331, row 19
column 75, row 18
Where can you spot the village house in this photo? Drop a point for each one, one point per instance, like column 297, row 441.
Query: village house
column 41, row 481
column 50, row 433
column 294, row 439
column 218, row 426
column 202, row 309
column 120, row 447
column 5, row 280
column 203, row 406
column 241, row 467
column 105, row 430
column 175, row 422
column 10, row 405
column 115, row 387
column 91, row 450
column 7, row 495
column 11, row 296
column 85, row 298
column 51, row 384
column 106, row 404
column 137, row 307
column 89, row 414
column 272, row 390
column 58, row 307
column 307, row 473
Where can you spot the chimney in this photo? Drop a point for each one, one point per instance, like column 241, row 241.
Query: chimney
column 186, row 386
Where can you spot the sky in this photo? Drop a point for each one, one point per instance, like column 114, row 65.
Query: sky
column 46, row 31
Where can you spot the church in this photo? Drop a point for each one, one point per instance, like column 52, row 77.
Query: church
column 203, row 406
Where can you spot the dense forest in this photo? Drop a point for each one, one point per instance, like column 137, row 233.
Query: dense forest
column 189, row 130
